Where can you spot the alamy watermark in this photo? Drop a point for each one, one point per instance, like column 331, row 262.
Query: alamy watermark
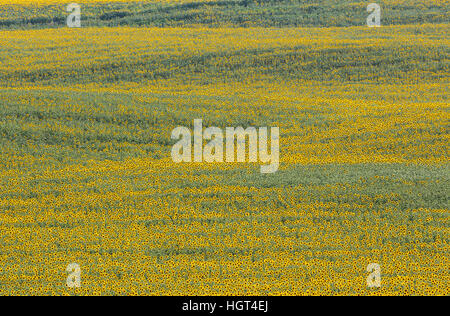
column 374, row 278
column 374, row 18
column 74, row 278
column 74, row 18
column 235, row 145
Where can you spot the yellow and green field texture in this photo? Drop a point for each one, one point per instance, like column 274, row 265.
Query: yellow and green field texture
column 86, row 174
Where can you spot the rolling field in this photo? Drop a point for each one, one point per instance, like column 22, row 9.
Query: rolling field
column 86, row 173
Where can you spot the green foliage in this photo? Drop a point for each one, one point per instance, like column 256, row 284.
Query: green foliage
column 238, row 13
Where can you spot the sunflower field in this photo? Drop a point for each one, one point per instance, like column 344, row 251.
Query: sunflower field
column 86, row 174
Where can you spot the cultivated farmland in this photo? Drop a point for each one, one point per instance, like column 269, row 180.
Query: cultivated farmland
column 86, row 174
